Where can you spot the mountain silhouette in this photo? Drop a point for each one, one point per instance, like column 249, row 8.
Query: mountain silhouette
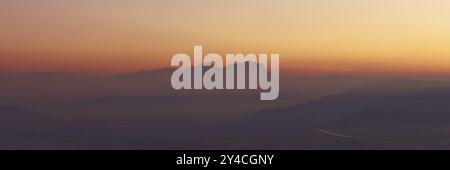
column 417, row 119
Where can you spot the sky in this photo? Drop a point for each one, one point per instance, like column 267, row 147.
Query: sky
column 114, row 36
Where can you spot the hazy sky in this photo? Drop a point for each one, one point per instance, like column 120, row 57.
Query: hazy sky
column 104, row 36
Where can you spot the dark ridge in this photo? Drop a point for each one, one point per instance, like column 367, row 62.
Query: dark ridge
column 12, row 108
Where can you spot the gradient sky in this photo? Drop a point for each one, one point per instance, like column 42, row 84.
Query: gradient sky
column 105, row 36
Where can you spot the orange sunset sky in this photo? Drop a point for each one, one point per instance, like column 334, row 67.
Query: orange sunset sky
column 113, row 36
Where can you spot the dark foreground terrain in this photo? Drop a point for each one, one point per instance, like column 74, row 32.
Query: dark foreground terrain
column 119, row 112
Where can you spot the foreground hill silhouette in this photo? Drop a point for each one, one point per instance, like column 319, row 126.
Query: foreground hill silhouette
column 375, row 119
column 359, row 119
column 141, row 111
